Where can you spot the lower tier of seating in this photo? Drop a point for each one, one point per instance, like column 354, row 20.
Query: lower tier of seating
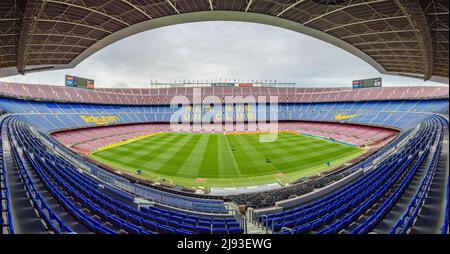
column 445, row 226
column 5, row 210
column 410, row 215
column 360, row 205
column 84, row 199
column 67, row 200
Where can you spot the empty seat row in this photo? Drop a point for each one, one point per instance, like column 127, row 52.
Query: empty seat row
column 85, row 194
column 52, row 221
column 411, row 213
column 164, row 95
column 360, row 195
column 50, row 116
column 6, row 225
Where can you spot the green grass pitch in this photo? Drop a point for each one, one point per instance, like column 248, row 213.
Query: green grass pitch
column 219, row 160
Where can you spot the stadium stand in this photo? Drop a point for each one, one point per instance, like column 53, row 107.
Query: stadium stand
column 272, row 198
column 91, row 139
column 445, row 226
column 161, row 195
column 399, row 114
column 358, row 135
column 405, row 38
column 5, row 218
column 161, row 96
column 417, row 201
column 99, row 212
column 343, row 210
column 65, row 193
column 400, row 186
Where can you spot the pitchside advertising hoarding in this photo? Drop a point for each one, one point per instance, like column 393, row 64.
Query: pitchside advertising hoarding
column 367, row 83
column 74, row 81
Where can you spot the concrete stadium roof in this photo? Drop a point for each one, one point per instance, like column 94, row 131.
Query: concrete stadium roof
column 399, row 37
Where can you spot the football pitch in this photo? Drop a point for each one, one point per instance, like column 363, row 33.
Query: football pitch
column 221, row 160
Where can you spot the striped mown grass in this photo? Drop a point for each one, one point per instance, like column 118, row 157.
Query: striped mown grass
column 219, row 160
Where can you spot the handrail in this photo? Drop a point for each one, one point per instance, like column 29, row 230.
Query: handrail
column 10, row 223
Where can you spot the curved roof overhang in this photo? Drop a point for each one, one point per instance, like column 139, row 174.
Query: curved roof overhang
column 398, row 37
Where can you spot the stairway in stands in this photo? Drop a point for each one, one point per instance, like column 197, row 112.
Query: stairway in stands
column 50, row 201
column 397, row 211
column 432, row 214
column 24, row 216
column 389, row 193
column 252, row 228
column 429, row 215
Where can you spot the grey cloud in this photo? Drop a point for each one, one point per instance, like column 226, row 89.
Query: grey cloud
column 210, row 50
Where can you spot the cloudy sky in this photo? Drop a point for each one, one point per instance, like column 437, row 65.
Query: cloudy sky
column 213, row 50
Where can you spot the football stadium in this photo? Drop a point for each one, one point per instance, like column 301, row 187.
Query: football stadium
column 226, row 157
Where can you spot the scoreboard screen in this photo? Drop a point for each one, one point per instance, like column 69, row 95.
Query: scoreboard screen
column 367, row 83
column 74, row 81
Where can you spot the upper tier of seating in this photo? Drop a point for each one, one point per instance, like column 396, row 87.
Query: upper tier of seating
column 139, row 96
column 49, row 116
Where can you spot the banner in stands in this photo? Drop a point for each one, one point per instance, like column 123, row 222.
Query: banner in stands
column 74, row 81
column 99, row 120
